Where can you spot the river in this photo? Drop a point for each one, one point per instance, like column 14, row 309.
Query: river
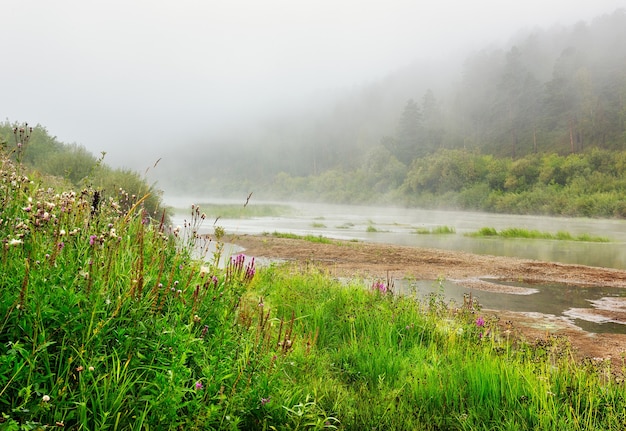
column 399, row 226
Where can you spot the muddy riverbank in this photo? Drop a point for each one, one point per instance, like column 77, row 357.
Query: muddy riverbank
column 368, row 260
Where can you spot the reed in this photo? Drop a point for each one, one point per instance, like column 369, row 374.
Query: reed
column 437, row 230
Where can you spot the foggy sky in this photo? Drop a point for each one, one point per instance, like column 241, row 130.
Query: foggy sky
column 131, row 76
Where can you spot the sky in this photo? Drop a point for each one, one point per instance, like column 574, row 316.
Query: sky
column 132, row 77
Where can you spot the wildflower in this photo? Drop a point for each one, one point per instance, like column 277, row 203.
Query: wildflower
column 265, row 400
column 92, row 239
column 61, row 245
column 380, row 286
column 15, row 241
column 480, row 322
column 91, row 368
column 62, row 232
column 45, row 398
column 199, row 386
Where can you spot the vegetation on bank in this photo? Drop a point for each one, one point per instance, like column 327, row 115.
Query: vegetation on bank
column 587, row 184
column 109, row 320
column 249, row 210
column 70, row 166
column 515, row 232
column 311, row 238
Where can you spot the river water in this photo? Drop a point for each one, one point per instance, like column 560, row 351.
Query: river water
column 399, row 225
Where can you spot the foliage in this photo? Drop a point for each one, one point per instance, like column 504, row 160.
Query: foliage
column 588, row 184
column 47, row 157
column 110, row 322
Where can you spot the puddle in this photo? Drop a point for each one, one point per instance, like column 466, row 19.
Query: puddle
column 593, row 309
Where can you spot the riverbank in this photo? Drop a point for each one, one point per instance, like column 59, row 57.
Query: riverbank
column 367, row 260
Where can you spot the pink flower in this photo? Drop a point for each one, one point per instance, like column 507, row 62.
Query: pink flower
column 480, row 322
column 199, row 386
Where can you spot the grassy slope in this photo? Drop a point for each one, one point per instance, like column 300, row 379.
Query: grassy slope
column 107, row 321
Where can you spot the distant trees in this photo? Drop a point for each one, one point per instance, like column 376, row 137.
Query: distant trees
column 589, row 183
column 559, row 90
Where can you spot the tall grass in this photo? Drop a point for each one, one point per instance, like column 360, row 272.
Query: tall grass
column 437, row 230
column 516, row 232
column 108, row 321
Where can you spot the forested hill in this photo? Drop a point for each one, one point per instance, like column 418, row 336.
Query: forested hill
column 561, row 89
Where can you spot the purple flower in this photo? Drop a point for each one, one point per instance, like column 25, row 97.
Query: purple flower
column 92, row 239
column 199, row 386
column 480, row 322
column 380, row 286
column 61, row 245
column 265, row 400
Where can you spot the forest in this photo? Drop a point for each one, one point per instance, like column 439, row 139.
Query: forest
column 537, row 125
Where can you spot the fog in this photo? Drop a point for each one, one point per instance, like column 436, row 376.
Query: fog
column 138, row 78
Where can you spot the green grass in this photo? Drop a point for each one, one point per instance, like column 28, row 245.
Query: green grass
column 318, row 225
column 311, row 238
column 108, row 321
column 535, row 234
column 235, row 211
column 437, row 230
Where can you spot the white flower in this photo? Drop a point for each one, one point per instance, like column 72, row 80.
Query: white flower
column 45, row 398
column 15, row 241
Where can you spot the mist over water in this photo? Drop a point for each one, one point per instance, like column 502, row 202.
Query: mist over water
column 398, row 226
